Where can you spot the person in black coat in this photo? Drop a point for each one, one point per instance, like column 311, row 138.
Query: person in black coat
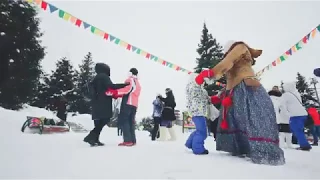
column 101, row 102
column 167, row 115
column 62, row 109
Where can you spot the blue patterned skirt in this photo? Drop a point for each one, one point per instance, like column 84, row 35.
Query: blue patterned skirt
column 253, row 130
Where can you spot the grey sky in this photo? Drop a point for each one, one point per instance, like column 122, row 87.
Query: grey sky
column 171, row 30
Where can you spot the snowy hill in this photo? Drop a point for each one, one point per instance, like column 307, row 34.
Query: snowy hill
column 36, row 156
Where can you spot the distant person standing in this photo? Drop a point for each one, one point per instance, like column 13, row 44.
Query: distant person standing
column 62, row 109
column 157, row 109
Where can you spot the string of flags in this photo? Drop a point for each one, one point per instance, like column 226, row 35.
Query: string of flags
column 111, row 38
column 295, row 48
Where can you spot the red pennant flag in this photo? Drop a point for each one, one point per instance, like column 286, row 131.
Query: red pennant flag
column 78, row 22
column 106, row 36
column 305, row 39
column 178, row 68
column 274, row 63
column 128, row 47
column 44, row 5
column 289, row 52
column 164, row 62
column 148, row 56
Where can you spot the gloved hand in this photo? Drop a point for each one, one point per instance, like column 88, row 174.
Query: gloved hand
column 111, row 92
column 204, row 74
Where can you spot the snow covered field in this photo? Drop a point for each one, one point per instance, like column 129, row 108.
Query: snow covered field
column 36, row 156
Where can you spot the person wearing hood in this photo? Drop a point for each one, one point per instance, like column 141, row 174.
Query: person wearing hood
column 285, row 135
column 292, row 102
column 130, row 97
column 197, row 105
column 167, row 116
column 247, row 125
column 316, row 72
column 100, row 102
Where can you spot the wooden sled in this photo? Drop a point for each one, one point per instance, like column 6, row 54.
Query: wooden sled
column 44, row 125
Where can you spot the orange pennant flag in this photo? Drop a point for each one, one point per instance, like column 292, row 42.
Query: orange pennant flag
column 73, row 19
column 313, row 33
column 38, row 2
column 123, row 44
column 278, row 61
column 143, row 53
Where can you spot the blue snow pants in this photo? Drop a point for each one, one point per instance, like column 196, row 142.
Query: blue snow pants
column 196, row 138
column 297, row 129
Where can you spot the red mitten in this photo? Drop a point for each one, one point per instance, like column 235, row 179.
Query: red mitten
column 215, row 100
column 111, row 92
column 204, row 74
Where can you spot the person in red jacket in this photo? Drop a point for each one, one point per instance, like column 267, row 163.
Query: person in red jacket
column 315, row 130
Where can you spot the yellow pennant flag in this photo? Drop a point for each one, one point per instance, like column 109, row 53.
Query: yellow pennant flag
column 66, row 16
column 160, row 61
column 73, row 19
column 143, row 53
column 97, row 31
column 123, row 44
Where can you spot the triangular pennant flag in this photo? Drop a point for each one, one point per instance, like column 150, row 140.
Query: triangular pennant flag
column 152, row 56
column 38, row 2
column 289, row 52
column 111, row 38
column 66, row 16
column 133, row 48
column 44, row 5
column 85, row 25
column 282, row 58
column 306, row 38
column 61, row 13
column 183, row 70
column 117, row 41
column 128, row 47
column 138, row 51
column 93, row 29
column 274, row 63
column 318, row 27
column 106, row 36
column 298, row 46
column 73, row 19
column 313, row 33
column 78, row 22
column 148, row 55
column 52, row 8
column 268, row 67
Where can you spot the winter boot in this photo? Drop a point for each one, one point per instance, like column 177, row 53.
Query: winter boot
column 304, row 148
column 91, row 138
column 98, row 141
column 163, row 133
column 314, row 144
column 126, row 144
column 172, row 134
column 205, row 152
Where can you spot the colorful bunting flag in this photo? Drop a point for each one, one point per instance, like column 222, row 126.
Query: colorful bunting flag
column 294, row 48
column 52, row 8
column 85, row 25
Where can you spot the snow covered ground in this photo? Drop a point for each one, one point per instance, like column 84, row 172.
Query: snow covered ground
column 36, row 156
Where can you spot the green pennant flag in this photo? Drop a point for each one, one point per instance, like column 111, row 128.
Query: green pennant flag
column 156, row 59
column 282, row 58
column 298, row 47
column 318, row 27
column 93, row 29
column 138, row 51
column 117, row 41
column 61, row 13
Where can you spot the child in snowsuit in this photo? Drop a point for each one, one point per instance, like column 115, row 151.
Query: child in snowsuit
column 197, row 104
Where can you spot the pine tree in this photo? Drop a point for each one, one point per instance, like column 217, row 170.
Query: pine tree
column 43, row 98
column 61, row 84
column 211, row 54
column 84, row 75
column 307, row 94
column 20, row 53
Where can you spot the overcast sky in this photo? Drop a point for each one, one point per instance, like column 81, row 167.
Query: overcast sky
column 172, row 30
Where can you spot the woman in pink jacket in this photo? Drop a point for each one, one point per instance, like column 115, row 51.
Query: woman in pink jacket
column 130, row 97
